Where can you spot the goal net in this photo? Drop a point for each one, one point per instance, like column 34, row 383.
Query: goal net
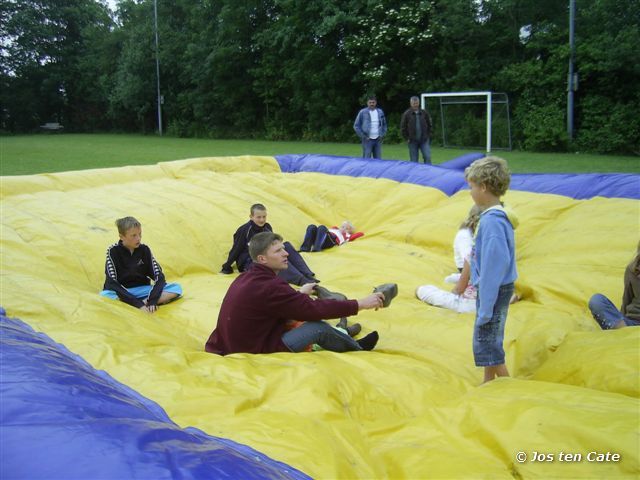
column 471, row 119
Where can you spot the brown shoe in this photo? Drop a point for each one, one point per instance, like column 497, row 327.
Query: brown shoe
column 342, row 323
column 324, row 294
column 354, row 329
column 390, row 291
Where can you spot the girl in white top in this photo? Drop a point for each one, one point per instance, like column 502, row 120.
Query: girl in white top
column 462, row 298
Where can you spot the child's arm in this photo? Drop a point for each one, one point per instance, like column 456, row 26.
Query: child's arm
column 355, row 236
column 159, row 281
column 495, row 262
column 463, row 281
column 239, row 245
column 111, row 283
column 627, row 295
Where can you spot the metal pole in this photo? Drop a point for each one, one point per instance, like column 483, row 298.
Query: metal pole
column 444, row 135
column 508, row 121
column 570, row 81
column 489, row 120
column 155, row 18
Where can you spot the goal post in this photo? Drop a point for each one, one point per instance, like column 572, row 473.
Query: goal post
column 488, row 99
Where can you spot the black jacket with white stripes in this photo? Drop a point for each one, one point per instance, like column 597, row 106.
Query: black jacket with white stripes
column 239, row 253
column 124, row 269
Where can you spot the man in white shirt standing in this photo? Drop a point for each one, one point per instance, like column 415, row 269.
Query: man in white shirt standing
column 371, row 126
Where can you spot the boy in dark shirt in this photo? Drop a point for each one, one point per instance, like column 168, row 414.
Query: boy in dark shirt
column 298, row 272
column 130, row 267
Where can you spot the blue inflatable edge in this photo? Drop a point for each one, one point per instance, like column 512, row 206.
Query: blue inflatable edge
column 449, row 176
column 61, row 418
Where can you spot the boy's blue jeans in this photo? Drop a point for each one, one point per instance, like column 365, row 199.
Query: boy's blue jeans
column 606, row 314
column 298, row 339
column 488, row 350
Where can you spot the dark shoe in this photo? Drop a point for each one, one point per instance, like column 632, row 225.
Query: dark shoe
column 354, row 329
column 368, row 342
column 390, row 291
column 342, row 323
column 324, row 294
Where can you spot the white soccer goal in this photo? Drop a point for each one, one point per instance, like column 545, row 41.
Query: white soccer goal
column 489, row 99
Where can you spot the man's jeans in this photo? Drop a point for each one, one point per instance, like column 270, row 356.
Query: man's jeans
column 372, row 147
column 424, row 147
column 606, row 314
column 298, row 339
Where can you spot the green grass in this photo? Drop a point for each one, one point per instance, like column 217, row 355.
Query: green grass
column 46, row 153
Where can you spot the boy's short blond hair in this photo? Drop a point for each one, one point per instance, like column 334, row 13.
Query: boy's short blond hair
column 492, row 172
column 127, row 223
column 255, row 207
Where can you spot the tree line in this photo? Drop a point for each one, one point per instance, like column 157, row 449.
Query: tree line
column 301, row 69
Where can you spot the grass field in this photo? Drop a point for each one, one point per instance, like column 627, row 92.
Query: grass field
column 30, row 154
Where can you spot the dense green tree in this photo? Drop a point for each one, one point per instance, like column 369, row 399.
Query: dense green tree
column 43, row 42
column 285, row 69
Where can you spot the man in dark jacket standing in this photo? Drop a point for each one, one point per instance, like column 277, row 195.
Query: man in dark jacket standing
column 416, row 126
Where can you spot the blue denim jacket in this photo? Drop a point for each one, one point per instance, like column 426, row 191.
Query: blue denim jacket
column 362, row 125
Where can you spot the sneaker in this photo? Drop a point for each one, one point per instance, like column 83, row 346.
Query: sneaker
column 324, row 294
column 453, row 278
column 390, row 291
column 342, row 323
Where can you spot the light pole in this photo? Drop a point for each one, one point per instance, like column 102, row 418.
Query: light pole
column 571, row 81
column 155, row 18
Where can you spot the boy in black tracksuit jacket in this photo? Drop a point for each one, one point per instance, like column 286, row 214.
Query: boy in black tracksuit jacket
column 298, row 272
column 130, row 267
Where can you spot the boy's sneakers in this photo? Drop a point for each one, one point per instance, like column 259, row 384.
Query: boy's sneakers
column 390, row 291
column 324, row 294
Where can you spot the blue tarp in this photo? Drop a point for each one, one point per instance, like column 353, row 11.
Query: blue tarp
column 74, row 419
column 449, row 177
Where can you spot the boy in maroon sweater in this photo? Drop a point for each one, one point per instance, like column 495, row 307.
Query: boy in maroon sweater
column 258, row 306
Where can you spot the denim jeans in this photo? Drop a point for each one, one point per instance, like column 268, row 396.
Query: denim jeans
column 372, row 147
column 488, row 338
column 329, row 338
column 424, row 147
column 606, row 314
column 316, row 238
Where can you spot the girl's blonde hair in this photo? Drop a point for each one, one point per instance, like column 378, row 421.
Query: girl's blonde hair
column 471, row 222
column 347, row 225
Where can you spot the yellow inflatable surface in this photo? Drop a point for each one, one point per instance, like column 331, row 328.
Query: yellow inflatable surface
column 413, row 408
